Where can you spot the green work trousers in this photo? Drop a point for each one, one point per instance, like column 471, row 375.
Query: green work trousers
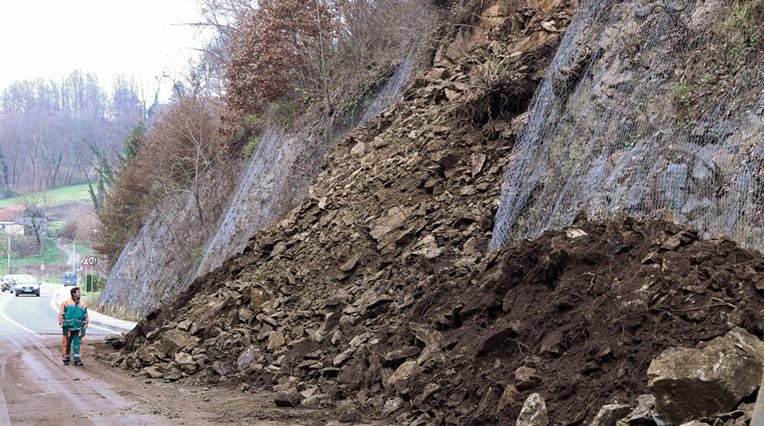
column 72, row 341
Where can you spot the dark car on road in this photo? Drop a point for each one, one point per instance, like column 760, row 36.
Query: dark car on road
column 5, row 286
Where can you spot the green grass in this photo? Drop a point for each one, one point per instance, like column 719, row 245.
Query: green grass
column 746, row 18
column 249, row 148
column 51, row 256
column 53, row 196
column 90, row 297
column 55, row 227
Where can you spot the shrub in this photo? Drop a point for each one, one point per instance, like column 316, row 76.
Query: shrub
column 277, row 48
column 196, row 255
column 8, row 193
column 282, row 113
column 181, row 146
column 250, row 147
column 316, row 51
column 69, row 230
column 93, row 282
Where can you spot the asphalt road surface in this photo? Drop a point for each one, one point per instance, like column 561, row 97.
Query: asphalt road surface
column 35, row 387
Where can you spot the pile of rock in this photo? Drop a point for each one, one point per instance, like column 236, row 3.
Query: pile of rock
column 555, row 328
column 376, row 296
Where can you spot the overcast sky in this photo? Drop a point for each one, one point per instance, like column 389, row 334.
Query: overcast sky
column 138, row 38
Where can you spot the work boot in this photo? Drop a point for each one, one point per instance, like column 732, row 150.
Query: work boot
column 77, row 362
column 66, row 360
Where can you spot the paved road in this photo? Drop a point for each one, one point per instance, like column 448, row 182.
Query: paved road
column 35, row 388
column 39, row 315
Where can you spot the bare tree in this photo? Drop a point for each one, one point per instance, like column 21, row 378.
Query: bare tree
column 48, row 127
column 205, row 76
column 34, row 218
column 181, row 147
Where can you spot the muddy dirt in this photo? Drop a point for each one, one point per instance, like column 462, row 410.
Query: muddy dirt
column 190, row 404
column 575, row 318
column 38, row 390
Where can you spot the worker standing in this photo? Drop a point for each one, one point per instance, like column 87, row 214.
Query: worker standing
column 73, row 320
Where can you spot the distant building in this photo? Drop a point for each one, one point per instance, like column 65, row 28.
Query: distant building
column 10, row 228
column 11, row 221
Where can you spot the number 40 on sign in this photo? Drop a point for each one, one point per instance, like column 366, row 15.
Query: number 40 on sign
column 89, row 261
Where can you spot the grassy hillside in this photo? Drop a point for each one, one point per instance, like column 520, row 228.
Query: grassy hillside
column 68, row 206
column 54, row 196
column 52, row 257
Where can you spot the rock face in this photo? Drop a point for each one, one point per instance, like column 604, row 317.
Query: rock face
column 690, row 383
column 378, row 296
column 629, row 117
column 158, row 263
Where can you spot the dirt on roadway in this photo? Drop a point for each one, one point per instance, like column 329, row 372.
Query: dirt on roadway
column 35, row 388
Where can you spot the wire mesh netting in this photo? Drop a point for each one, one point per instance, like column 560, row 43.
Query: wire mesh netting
column 648, row 107
column 282, row 168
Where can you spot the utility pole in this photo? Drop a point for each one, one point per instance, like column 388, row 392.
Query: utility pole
column 9, row 254
column 42, row 256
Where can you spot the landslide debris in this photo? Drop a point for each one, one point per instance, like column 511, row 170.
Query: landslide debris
column 376, row 297
column 576, row 316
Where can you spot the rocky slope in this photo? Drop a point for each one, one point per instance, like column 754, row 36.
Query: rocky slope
column 377, row 296
column 648, row 106
column 174, row 247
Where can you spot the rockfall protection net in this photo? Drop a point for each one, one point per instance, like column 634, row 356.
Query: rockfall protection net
column 648, row 107
column 275, row 174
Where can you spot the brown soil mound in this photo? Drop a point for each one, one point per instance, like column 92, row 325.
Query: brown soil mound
column 576, row 316
column 576, row 319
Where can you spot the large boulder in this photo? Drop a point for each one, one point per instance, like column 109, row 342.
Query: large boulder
column 690, row 383
column 172, row 341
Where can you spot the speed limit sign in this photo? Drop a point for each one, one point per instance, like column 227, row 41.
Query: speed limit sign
column 89, row 261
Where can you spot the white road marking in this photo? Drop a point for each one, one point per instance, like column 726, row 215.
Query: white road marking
column 56, row 306
column 14, row 322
